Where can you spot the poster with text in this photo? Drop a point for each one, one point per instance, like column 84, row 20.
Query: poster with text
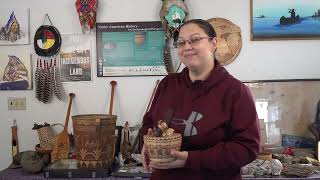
column 130, row 49
column 75, row 58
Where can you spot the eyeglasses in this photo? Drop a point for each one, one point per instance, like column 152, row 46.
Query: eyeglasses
column 192, row 41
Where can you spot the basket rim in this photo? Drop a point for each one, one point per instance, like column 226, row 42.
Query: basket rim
column 174, row 136
column 90, row 115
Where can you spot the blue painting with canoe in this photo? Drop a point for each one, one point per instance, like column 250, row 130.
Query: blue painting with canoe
column 285, row 19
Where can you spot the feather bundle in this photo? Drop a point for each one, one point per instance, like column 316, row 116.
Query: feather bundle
column 37, row 80
column 57, row 85
column 168, row 59
column 47, row 81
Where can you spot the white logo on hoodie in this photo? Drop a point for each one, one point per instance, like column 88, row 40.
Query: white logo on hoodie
column 190, row 129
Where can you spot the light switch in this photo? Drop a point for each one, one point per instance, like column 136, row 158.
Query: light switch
column 15, row 103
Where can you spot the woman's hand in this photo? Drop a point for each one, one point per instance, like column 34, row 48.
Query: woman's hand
column 178, row 163
column 144, row 154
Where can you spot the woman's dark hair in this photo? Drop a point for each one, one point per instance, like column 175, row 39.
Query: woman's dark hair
column 204, row 25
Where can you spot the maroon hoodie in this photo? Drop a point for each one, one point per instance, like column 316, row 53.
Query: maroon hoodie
column 218, row 121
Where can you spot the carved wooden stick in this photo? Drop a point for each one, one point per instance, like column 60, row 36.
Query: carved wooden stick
column 66, row 123
column 113, row 84
column 14, row 143
column 151, row 98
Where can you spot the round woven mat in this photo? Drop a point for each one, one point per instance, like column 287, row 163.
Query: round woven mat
column 229, row 40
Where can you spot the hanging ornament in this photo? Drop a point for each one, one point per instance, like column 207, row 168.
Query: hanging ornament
column 173, row 14
column 47, row 43
column 87, row 10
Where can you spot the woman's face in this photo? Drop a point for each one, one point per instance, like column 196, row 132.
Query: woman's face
column 198, row 54
column 14, row 27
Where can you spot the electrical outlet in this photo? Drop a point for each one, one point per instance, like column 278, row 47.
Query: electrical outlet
column 16, row 103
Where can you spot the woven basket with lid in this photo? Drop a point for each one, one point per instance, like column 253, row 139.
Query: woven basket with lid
column 159, row 147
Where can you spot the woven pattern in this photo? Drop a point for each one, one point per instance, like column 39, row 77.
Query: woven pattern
column 95, row 140
column 46, row 137
column 159, row 147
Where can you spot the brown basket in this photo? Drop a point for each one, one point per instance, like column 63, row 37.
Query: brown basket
column 95, row 140
column 159, row 147
column 46, row 136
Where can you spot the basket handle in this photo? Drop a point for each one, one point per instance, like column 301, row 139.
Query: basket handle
column 55, row 124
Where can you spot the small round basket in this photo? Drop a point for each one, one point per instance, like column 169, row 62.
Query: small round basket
column 159, row 147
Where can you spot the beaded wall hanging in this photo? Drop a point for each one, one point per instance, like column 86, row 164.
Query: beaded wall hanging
column 87, row 10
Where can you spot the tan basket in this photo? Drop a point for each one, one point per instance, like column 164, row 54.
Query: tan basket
column 159, row 147
column 46, row 136
column 95, row 140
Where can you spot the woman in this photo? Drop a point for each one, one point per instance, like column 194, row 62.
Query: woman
column 213, row 111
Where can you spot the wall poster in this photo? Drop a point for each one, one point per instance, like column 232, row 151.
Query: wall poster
column 15, row 71
column 75, row 58
column 130, row 49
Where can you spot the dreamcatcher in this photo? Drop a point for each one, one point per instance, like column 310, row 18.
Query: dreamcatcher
column 47, row 43
column 87, row 13
column 173, row 14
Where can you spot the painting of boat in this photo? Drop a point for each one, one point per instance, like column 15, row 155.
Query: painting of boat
column 284, row 19
column 290, row 20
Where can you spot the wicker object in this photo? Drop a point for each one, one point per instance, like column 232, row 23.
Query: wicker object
column 46, row 136
column 95, row 140
column 159, row 147
column 229, row 41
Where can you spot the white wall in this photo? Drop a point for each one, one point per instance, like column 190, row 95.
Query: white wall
column 257, row 60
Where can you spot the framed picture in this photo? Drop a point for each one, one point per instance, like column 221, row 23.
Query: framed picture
column 15, row 72
column 14, row 26
column 130, row 49
column 284, row 19
column 75, row 58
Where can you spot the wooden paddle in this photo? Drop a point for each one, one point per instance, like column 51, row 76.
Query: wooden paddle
column 113, row 84
column 61, row 144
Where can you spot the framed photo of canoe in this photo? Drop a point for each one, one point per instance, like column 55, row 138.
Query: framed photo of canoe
column 130, row 49
column 284, row 19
